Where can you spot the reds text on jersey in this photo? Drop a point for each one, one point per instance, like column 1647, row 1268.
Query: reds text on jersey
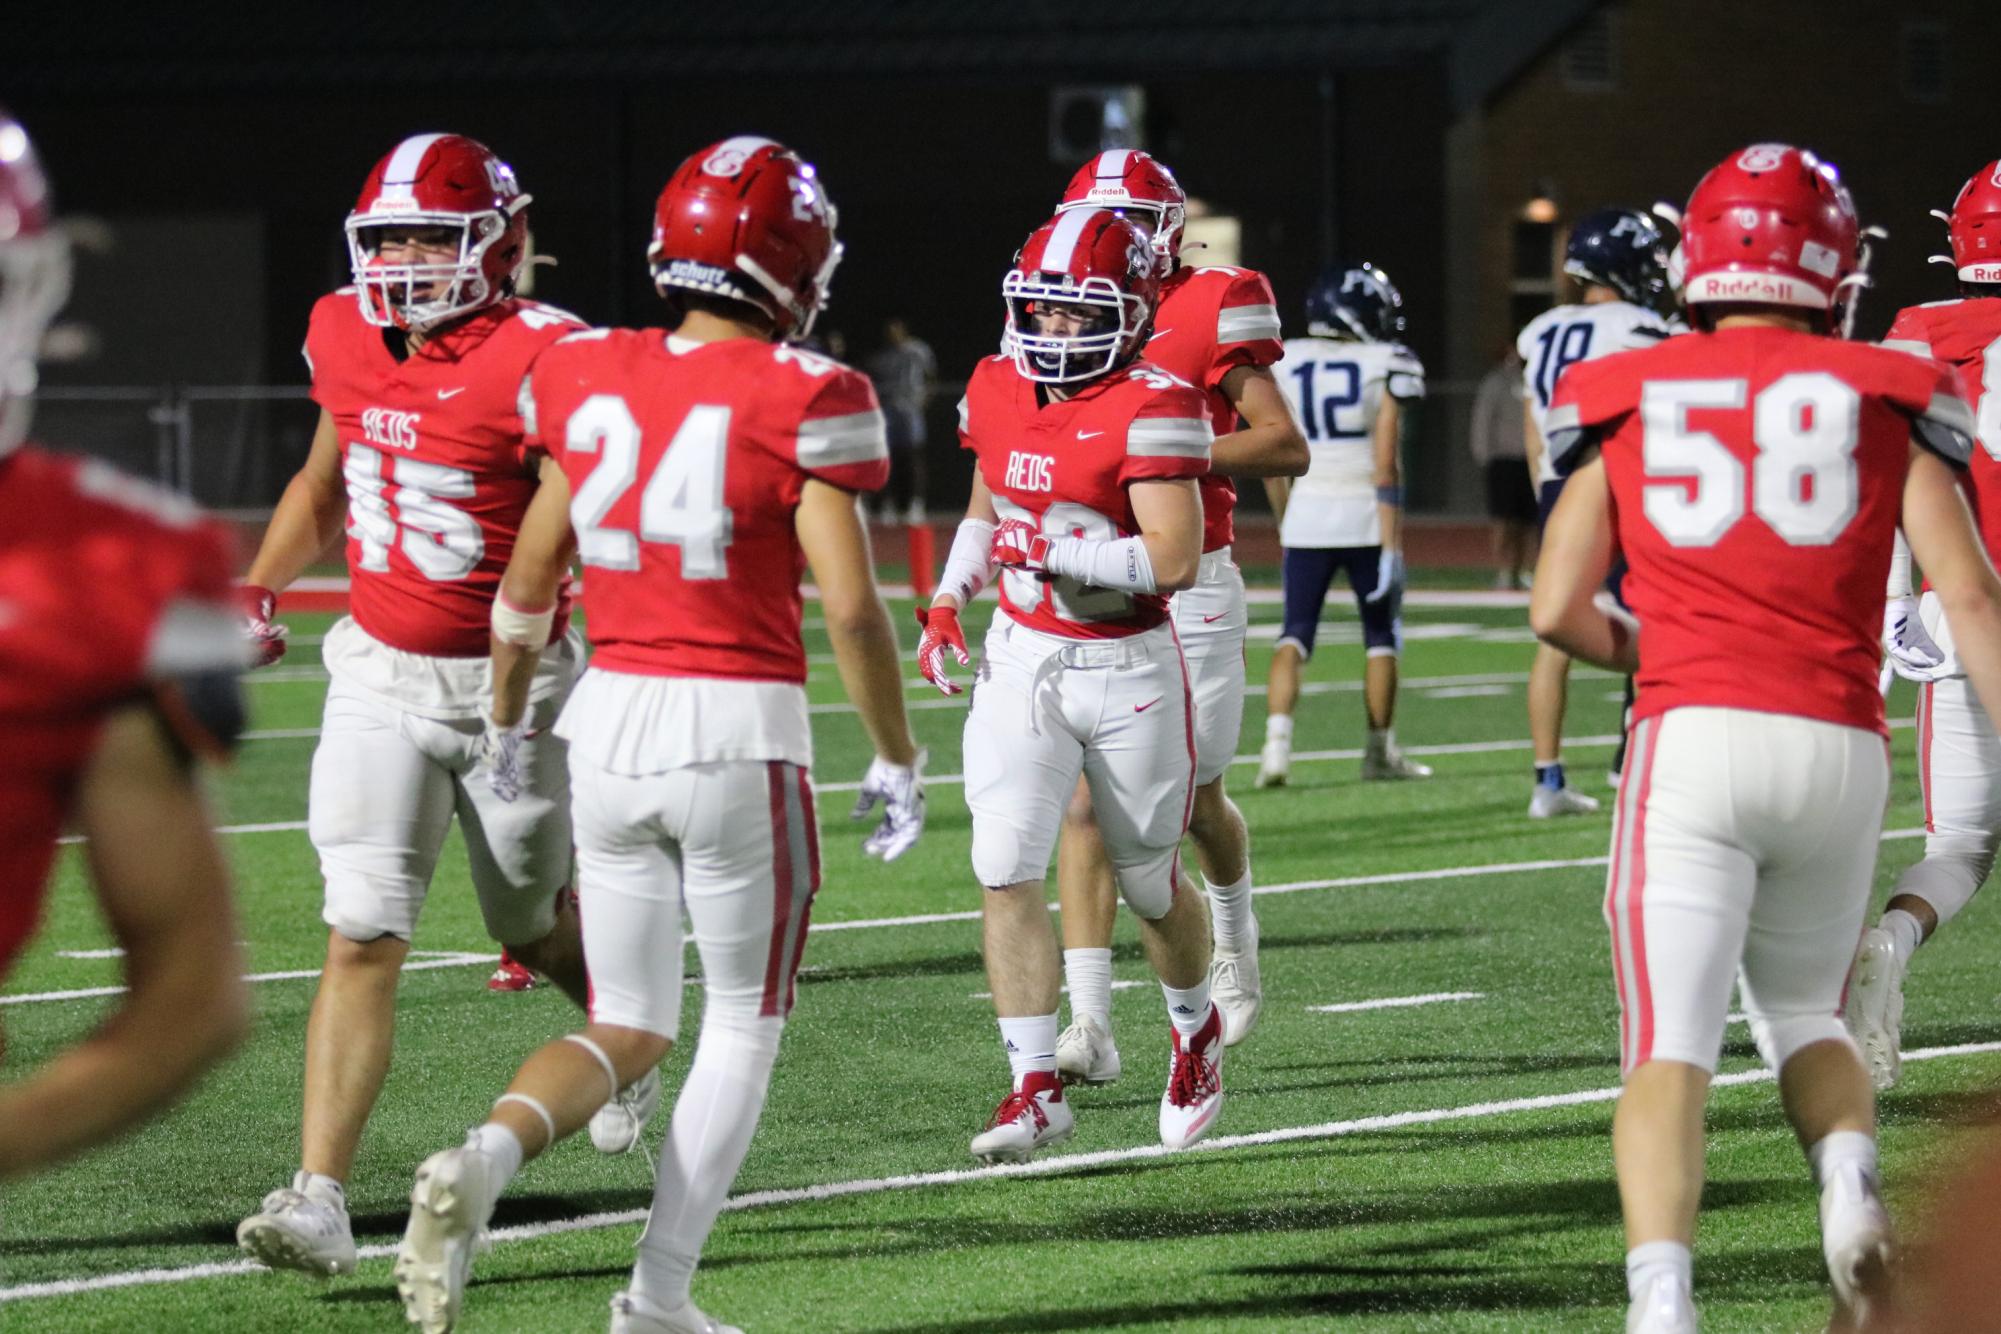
column 1064, row 467
column 1211, row 321
column 686, row 462
column 1336, row 388
column 437, row 476
column 1757, row 475
column 106, row 586
column 1563, row 336
column 1966, row 335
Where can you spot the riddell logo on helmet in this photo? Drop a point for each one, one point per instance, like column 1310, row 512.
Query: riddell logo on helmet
column 1114, row 193
column 1981, row 273
column 1742, row 287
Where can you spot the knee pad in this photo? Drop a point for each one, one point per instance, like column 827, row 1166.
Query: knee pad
column 1781, row 1037
column 1953, row 869
column 1148, row 886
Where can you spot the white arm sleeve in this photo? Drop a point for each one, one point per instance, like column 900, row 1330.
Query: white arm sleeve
column 969, row 564
column 1121, row 563
column 1900, row 569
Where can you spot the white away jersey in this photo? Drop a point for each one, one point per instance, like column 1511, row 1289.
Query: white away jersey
column 1565, row 335
column 1336, row 390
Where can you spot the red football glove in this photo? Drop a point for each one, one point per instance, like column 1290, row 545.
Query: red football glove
column 267, row 641
column 1018, row 545
column 941, row 631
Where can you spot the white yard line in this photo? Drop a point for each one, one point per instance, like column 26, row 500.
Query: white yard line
column 420, row 961
column 1398, row 1002
column 1049, row 1166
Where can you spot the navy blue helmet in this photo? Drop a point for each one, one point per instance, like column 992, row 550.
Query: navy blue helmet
column 1620, row 248
column 1360, row 302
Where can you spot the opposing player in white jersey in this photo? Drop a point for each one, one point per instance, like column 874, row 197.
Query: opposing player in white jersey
column 702, row 470
column 419, row 452
column 1620, row 257
column 1959, row 754
column 1085, row 497
column 1345, row 382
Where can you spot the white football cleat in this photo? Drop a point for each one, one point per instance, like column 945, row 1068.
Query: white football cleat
column 449, row 1209
column 1551, row 801
column 300, row 1227
column 1086, row 1054
column 1875, row 1013
column 615, row 1127
column 1390, row 765
column 1194, row 1083
column 1274, row 764
column 1032, row 1117
column 1238, row 992
column 633, row 1314
column 1666, row 1307
column 1861, row 1250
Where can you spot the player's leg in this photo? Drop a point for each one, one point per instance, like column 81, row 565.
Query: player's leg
column 1085, row 1051
column 378, row 808
column 1141, row 764
column 1812, row 896
column 749, row 890
column 1382, row 641
column 1549, row 687
column 1021, row 761
column 1677, row 902
column 1304, row 576
column 1959, row 770
column 631, row 881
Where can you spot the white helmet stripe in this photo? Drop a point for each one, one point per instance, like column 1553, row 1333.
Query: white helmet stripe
column 1063, row 240
column 401, row 173
column 1112, row 164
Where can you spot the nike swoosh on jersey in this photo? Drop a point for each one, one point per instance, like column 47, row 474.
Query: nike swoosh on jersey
column 1217, row 617
column 1089, row 435
column 444, row 394
column 1160, row 333
column 1142, row 708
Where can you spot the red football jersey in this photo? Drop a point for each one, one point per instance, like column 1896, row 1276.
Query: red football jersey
column 1064, row 467
column 91, row 564
column 1211, row 321
column 1966, row 335
column 1757, row 477
column 686, row 462
column 437, row 474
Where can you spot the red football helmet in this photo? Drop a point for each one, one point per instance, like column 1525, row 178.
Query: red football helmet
column 1974, row 228
column 1130, row 180
column 438, row 180
column 1091, row 258
column 748, row 219
column 34, row 274
column 1771, row 225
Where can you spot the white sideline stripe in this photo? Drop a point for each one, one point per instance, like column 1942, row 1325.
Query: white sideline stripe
column 1123, row 984
column 438, row 959
column 1398, row 1002
column 1062, row 1163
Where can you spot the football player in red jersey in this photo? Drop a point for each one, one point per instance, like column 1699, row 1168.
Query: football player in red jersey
column 1085, row 498
column 699, row 472
column 1755, row 463
column 100, row 726
column 1959, row 755
column 417, row 369
column 1217, row 328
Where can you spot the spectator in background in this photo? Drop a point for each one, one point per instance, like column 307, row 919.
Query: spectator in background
column 1497, row 444
column 903, row 371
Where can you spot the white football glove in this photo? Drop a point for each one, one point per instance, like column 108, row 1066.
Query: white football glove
column 500, row 751
column 1389, row 578
column 901, row 792
column 1913, row 653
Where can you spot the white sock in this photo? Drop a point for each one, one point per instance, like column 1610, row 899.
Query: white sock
column 500, row 1144
column 1088, row 974
column 1906, row 933
column 714, row 1119
column 1654, row 1260
column 1187, row 1008
column 1381, row 739
column 1278, row 727
column 1843, row 1149
column 1230, row 919
column 1031, row 1044
column 317, row 1183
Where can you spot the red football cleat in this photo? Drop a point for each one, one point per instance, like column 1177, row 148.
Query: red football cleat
column 510, row 976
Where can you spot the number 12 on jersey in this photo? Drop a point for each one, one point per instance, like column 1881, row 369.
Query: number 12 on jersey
column 682, row 503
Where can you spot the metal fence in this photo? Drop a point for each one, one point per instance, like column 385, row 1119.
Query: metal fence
column 233, row 447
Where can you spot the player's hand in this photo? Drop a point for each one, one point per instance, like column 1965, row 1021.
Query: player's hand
column 900, row 789
column 1389, row 578
column 1018, row 545
column 1914, row 654
column 500, row 752
column 941, row 631
column 267, row 641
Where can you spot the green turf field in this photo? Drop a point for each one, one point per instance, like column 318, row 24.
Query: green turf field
column 1442, row 1165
